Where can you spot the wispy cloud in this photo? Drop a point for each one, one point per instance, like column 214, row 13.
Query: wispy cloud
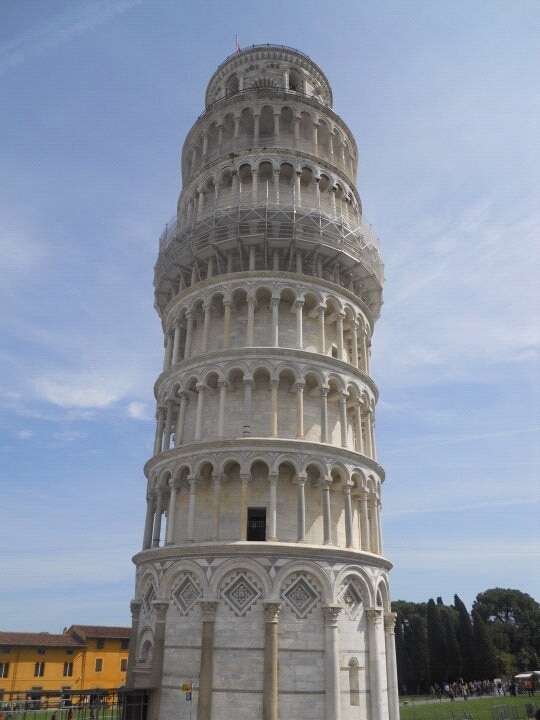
column 79, row 19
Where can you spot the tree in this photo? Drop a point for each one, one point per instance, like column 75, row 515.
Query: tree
column 453, row 654
column 513, row 617
column 436, row 644
column 465, row 639
column 485, row 656
column 419, row 657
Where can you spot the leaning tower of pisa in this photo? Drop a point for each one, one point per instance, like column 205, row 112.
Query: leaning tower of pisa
column 262, row 588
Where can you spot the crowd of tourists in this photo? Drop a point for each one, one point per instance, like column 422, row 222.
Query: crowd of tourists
column 480, row 688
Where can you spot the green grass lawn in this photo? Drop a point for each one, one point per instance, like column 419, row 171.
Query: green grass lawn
column 484, row 708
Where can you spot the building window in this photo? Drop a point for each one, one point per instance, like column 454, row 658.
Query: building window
column 123, row 665
column 41, row 651
column 99, row 664
column 68, row 669
column 256, row 524
column 4, row 670
column 100, row 644
column 39, row 669
column 69, row 652
column 6, row 650
column 124, row 644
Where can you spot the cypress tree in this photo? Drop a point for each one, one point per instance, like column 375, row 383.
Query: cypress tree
column 465, row 639
column 485, row 656
column 453, row 655
column 436, row 644
column 419, row 655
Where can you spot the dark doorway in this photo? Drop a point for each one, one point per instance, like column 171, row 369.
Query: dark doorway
column 256, row 524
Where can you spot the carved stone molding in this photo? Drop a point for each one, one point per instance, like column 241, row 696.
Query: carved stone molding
column 271, row 612
column 208, row 610
column 331, row 614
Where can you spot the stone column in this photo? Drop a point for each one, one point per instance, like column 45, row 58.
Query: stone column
column 358, row 422
column 339, row 334
column 300, row 410
column 275, row 322
column 221, row 411
column 176, row 344
column 160, row 419
column 354, row 341
column 189, row 335
column 250, row 321
column 206, row 327
column 135, row 607
column 331, row 658
column 256, row 128
column 324, row 414
column 206, row 671
column 326, row 510
column 254, row 189
column 391, row 667
column 226, row 323
column 200, row 409
column 322, row 340
column 364, row 521
column 215, row 507
column 191, row 508
column 168, row 352
column 180, row 421
column 348, row 516
column 343, row 419
column 272, row 510
column 270, row 672
column 273, row 408
column 372, row 512
column 374, row 621
column 244, row 478
column 149, row 522
column 299, row 339
column 301, row 507
column 169, row 532
column 157, row 518
column 246, row 428
column 168, row 424
column 160, row 608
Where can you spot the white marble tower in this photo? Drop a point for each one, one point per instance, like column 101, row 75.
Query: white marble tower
column 262, row 580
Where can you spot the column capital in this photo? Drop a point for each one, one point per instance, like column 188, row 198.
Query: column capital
column 390, row 622
column 208, row 610
column 300, row 479
column 374, row 616
column 271, row 612
column 135, row 606
column 174, row 483
column 331, row 614
column 161, row 607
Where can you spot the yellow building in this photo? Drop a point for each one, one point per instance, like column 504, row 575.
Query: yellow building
column 83, row 657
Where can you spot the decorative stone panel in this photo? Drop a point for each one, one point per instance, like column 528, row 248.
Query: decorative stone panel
column 241, row 593
column 301, row 596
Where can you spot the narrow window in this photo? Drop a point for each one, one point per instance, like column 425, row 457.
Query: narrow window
column 256, row 524
column 39, row 669
column 4, row 670
column 100, row 644
column 124, row 644
column 68, row 669
column 354, row 682
column 99, row 664
column 123, row 665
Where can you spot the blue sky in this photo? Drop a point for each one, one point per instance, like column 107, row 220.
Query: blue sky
column 98, row 95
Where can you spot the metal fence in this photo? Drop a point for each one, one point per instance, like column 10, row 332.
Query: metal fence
column 94, row 704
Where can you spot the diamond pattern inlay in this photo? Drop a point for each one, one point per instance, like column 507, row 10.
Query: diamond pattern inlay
column 241, row 595
column 186, row 595
column 301, row 597
column 149, row 595
column 351, row 599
